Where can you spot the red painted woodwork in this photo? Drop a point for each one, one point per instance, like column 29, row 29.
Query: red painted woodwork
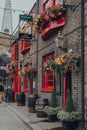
column 52, row 26
column 15, row 52
column 48, row 77
column 65, row 90
column 16, row 83
column 25, row 84
column 24, row 47
column 46, row 4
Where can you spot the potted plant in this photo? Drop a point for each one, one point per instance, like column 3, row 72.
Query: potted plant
column 30, row 72
column 52, row 112
column 70, row 117
column 53, row 108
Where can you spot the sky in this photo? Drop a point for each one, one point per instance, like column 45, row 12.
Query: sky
column 23, row 5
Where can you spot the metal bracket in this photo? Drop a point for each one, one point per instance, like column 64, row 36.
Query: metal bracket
column 72, row 7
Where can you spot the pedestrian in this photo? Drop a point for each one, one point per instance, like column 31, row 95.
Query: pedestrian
column 1, row 91
column 6, row 94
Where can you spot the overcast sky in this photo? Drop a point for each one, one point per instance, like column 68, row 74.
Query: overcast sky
column 17, row 5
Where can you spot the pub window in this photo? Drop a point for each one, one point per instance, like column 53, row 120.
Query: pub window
column 25, row 83
column 48, row 76
column 15, row 52
column 46, row 4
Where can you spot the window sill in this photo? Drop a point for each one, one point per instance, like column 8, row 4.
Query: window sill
column 47, row 90
column 25, row 50
column 25, row 89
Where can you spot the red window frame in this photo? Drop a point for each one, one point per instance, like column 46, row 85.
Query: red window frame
column 15, row 52
column 25, row 83
column 48, row 77
column 48, row 3
column 25, row 45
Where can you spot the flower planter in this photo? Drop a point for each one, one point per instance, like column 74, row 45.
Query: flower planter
column 52, row 118
column 73, row 125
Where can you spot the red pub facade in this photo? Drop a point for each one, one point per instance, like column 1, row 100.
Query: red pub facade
column 56, row 38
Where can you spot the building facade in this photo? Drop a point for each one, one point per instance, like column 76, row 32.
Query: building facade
column 5, row 55
column 56, row 36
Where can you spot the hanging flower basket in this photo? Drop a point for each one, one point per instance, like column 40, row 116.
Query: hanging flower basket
column 50, row 14
column 8, row 68
column 68, row 61
column 54, row 11
column 49, row 65
column 22, row 72
column 31, row 72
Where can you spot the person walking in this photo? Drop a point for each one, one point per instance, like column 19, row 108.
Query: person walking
column 7, row 94
column 1, row 91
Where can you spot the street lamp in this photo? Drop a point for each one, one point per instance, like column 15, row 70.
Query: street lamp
column 60, row 43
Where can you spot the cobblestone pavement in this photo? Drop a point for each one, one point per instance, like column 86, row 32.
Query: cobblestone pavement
column 10, row 121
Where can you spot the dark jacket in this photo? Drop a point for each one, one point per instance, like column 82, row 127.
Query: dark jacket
column 1, row 88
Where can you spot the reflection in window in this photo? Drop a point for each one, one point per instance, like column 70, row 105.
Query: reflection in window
column 58, row 1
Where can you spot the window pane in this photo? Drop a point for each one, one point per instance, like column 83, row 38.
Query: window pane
column 58, row 1
column 47, row 4
column 50, row 83
column 48, row 76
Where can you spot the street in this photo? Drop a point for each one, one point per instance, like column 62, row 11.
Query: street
column 10, row 121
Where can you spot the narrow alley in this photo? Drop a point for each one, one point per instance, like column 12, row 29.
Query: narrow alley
column 10, row 121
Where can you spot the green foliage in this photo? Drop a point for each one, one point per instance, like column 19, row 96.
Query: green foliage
column 69, row 116
column 69, row 113
column 51, row 111
column 69, row 103
column 53, row 99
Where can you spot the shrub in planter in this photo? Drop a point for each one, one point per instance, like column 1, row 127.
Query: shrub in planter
column 52, row 112
column 70, row 117
column 53, row 108
column 53, row 99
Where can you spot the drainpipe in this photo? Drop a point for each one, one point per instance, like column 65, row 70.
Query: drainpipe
column 82, row 65
column 37, row 52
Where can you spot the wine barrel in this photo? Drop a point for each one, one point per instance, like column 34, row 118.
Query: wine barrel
column 31, row 103
column 40, row 104
column 20, row 99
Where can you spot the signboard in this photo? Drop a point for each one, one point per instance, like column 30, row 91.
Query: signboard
column 25, row 35
column 25, row 17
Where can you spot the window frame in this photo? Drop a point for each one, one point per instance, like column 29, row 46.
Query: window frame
column 25, row 83
column 46, row 75
column 15, row 52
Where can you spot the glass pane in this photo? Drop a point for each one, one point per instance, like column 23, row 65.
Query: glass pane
column 58, row 1
column 50, row 83
column 50, row 77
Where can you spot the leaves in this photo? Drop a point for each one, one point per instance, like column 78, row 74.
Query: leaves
column 68, row 61
column 67, row 116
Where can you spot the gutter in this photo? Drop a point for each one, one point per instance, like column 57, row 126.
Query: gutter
column 82, row 65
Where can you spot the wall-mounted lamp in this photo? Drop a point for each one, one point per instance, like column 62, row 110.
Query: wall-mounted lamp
column 60, row 42
column 72, row 7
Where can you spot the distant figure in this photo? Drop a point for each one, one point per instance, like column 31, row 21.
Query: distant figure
column 7, row 94
column 1, row 91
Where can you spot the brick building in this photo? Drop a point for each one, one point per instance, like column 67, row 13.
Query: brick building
column 59, row 32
